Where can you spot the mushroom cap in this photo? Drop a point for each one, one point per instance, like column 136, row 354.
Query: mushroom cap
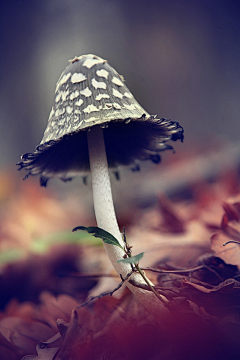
column 88, row 93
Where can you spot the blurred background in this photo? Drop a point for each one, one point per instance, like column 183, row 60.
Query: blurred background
column 180, row 59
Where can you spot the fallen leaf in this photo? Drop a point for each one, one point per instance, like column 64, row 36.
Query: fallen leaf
column 43, row 353
column 229, row 253
column 23, row 334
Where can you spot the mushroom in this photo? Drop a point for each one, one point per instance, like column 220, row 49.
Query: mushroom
column 96, row 124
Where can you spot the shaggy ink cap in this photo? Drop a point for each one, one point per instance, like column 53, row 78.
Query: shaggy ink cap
column 90, row 93
column 95, row 123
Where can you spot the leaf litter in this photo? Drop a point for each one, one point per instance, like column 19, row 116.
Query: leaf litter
column 182, row 238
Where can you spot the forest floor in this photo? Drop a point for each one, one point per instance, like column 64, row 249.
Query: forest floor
column 182, row 225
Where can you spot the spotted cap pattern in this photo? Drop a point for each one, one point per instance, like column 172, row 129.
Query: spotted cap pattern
column 88, row 93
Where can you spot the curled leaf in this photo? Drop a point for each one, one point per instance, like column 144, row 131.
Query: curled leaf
column 100, row 233
column 43, row 353
column 225, row 242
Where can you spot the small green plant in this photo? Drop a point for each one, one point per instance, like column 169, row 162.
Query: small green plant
column 127, row 258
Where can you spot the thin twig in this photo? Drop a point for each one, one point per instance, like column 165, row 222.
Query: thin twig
column 183, row 271
column 106, row 292
column 231, row 242
column 157, row 288
column 160, row 297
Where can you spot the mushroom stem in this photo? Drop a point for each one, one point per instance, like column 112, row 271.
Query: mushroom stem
column 105, row 214
column 102, row 197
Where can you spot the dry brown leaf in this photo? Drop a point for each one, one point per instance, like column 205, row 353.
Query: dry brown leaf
column 59, row 307
column 229, row 253
column 230, row 230
column 43, row 353
column 22, row 334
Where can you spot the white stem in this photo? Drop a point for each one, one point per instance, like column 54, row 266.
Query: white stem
column 105, row 214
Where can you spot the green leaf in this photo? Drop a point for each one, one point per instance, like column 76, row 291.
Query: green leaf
column 100, row 233
column 132, row 260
